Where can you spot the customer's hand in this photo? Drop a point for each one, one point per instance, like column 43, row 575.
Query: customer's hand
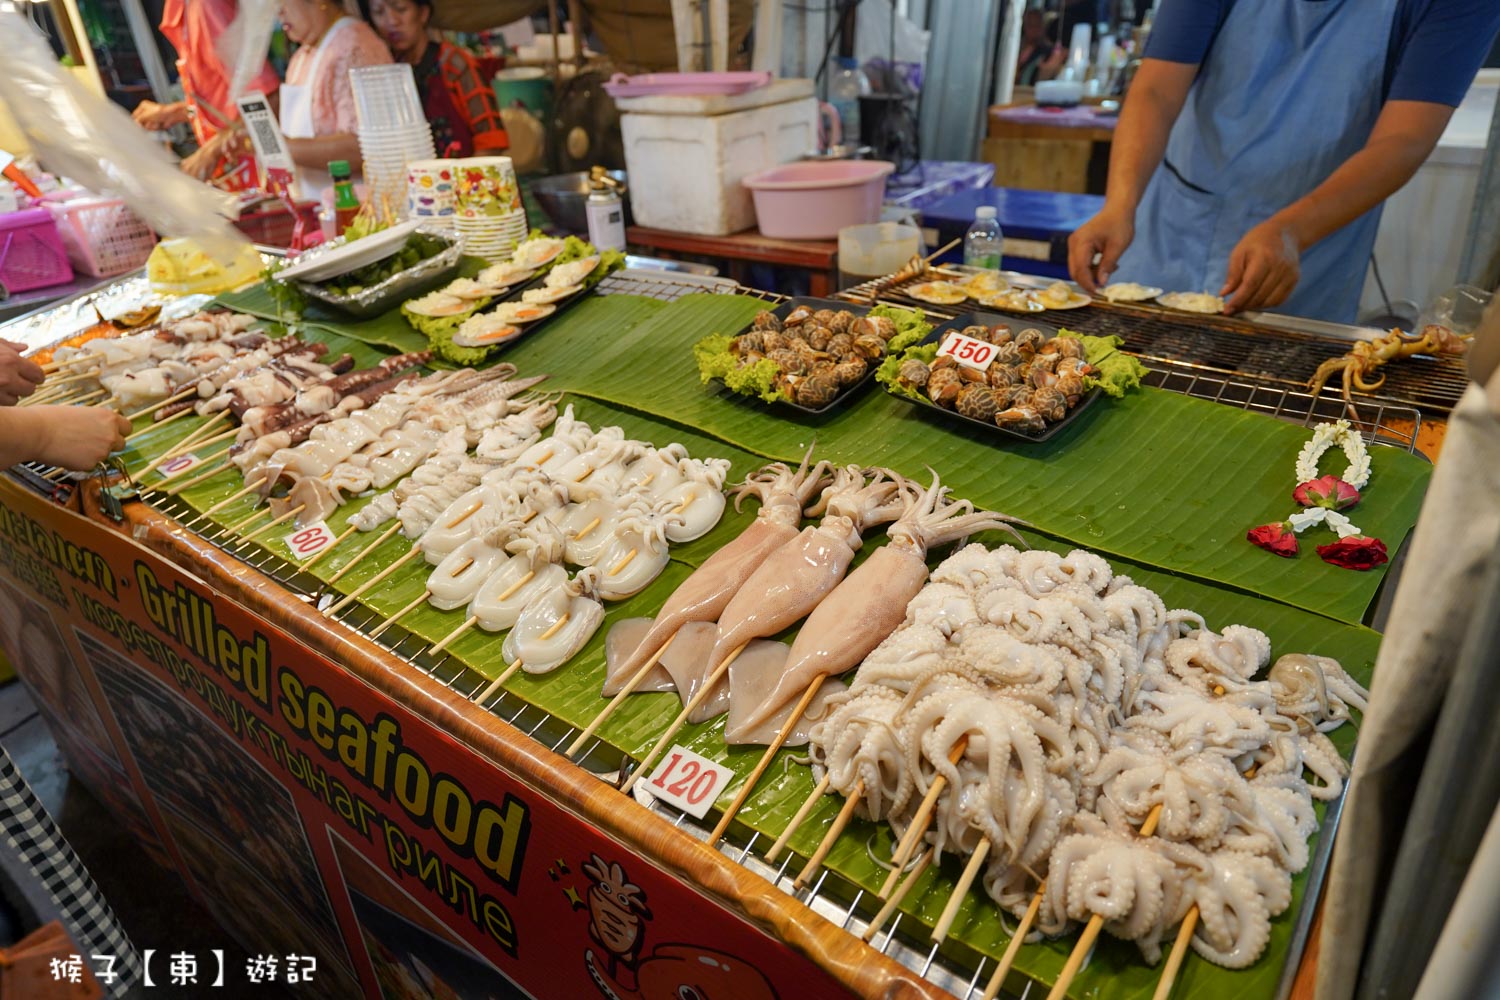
column 19, row 377
column 1106, row 236
column 1264, row 268
column 155, row 117
column 78, row 437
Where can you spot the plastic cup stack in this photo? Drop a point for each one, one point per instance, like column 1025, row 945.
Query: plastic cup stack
column 393, row 131
column 488, row 214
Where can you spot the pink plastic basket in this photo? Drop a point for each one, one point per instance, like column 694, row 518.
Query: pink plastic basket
column 103, row 236
column 31, row 252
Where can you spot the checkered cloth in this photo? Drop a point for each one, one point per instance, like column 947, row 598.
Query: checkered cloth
column 31, row 833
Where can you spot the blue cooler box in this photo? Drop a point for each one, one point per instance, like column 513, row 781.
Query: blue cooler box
column 1036, row 225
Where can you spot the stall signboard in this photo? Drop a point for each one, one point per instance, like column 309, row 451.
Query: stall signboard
column 324, row 824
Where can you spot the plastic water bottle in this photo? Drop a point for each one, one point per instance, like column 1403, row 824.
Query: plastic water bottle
column 845, row 89
column 984, row 243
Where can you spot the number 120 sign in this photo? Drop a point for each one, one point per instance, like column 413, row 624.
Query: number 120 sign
column 967, row 351
column 689, row 781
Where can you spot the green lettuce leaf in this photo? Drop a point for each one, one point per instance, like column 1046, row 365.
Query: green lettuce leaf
column 716, row 362
column 1118, row 372
column 889, row 370
column 911, row 327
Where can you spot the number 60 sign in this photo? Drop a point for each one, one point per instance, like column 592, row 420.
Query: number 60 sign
column 307, row 542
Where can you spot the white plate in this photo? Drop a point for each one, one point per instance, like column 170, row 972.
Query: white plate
column 351, row 256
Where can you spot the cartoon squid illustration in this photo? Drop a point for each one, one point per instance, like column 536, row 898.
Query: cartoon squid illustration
column 618, row 915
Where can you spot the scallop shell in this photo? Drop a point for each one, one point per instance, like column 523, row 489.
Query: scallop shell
column 1050, row 403
column 977, row 402
column 817, row 391
column 1003, row 376
column 944, row 386
column 850, row 372
column 766, row 320
column 913, row 373
column 869, row 346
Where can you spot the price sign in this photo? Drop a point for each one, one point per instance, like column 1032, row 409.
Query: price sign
column 967, row 351
column 304, row 543
column 181, row 463
column 689, row 781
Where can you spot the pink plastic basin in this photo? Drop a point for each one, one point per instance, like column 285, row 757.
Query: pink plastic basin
column 815, row 199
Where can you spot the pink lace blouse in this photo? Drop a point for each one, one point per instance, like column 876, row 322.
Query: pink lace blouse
column 352, row 45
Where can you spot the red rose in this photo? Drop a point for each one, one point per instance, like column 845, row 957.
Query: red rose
column 1276, row 538
column 1326, row 491
column 1355, row 552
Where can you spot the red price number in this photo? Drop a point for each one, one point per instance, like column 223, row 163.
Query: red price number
column 967, row 351
column 309, row 541
column 181, row 463
column 689, row 781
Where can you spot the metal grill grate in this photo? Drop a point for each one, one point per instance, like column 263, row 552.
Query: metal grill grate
column 1224, row 345
column 952, row 966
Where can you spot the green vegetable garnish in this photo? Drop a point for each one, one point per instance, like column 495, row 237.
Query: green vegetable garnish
column 716, row 362
column 1118, row 372
column 890, row 368
column 911, row 326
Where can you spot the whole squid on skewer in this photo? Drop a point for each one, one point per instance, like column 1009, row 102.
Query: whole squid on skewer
column 637, row 551
column 862, row 610
column 702, row 597
column 556, row 624
column 794, row 579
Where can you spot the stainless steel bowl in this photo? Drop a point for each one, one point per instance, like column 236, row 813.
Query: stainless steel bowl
column 563, row 196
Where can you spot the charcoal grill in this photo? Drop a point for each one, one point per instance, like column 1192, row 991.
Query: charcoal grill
column 1266, row 353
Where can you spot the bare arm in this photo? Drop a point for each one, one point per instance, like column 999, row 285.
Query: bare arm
column 1264, row 268
column 73, row 437
column 1151, row 108
column 319, row 150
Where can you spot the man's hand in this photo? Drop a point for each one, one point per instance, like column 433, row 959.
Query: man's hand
column 1263, row 268
column 78, row 437
column 1105, row 235
column 18, row 376
column 155, row 117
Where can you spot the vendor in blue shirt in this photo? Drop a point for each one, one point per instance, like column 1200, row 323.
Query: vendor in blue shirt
column 1260, row 137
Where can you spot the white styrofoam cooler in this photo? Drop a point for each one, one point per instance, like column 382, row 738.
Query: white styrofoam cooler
column 686, row 166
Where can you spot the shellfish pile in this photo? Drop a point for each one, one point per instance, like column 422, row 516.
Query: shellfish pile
column 1062, row 703
column 818, row 353
column 1032, row 381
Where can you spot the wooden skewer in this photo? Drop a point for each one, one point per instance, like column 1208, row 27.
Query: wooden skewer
column 76, row 377
column 63, row 399
column 248, row 488
column 1093, row 927
column 587, row 530
column 635, row 681
column 965, row 882
column 442, row 643
column 460, row 519
column 619, row 568
column 279, row 519
column 387, row 533
column 766, row 758
column 924, row 861
column 76, row 359
column 329, row 547
column 420, row 598
column 820, row 790
column 510, row 671
column 1179, row 951
column 826, row 844
column 217, row 438
column 184, row 394
column 362, row 589
column 187, row 444
column 918, row 826
column 511, row 590
column 681, row 720
column 153, row 426
column 256, row 515
column 997, row 979
column 211, row 458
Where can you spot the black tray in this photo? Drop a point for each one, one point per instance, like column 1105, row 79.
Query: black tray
column 1017, row 323
column 784, row 310
column 513, row 294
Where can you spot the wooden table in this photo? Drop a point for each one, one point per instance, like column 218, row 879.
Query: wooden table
column 1064, row 156
column 739, row 250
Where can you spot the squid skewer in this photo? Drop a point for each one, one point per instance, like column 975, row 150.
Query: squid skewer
column 923, row 863
column 835, row 830
column 702, row 597
column 859, row 614
column 992, row 989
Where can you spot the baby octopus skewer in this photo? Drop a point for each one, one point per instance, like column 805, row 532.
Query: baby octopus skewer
column 848, row 624
column 792, row 580
column 702, row 597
